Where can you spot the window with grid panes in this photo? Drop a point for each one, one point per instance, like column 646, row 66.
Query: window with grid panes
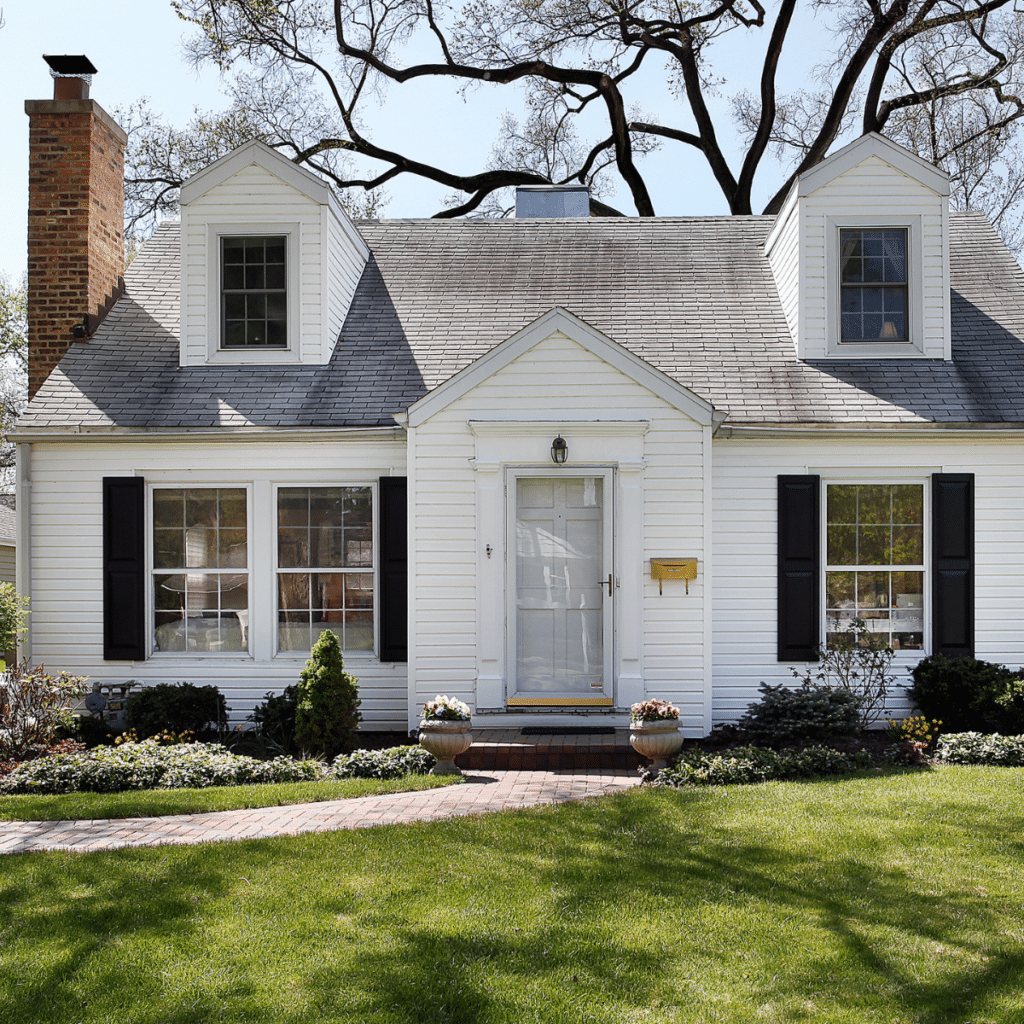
column 200, row 569
column 325, row 566
column 873, row 284
column 253, row 293
column 874, row 550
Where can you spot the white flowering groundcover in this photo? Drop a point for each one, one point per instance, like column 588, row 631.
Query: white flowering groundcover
column 148, row 765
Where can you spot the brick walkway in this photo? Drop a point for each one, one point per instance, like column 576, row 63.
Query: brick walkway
column 481, row 792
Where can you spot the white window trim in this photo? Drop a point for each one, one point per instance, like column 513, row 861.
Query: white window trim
column 151, row 572
column 912, row 476
column 303, row 656
column 913, row 347
column 253, row 356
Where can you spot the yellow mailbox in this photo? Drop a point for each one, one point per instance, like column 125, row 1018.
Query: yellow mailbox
column 674, row 569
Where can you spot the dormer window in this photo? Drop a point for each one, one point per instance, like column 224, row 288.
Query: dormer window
column 873, row 285
column 253, row 291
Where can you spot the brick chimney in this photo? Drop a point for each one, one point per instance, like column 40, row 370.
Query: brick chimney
column 75, row 216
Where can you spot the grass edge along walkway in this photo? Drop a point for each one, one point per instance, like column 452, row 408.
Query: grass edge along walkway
column 478, row 793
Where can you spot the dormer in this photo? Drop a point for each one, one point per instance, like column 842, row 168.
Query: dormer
column 860, row 255
column 269, row 263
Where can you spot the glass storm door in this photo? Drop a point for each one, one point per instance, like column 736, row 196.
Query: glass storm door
column 562, row 591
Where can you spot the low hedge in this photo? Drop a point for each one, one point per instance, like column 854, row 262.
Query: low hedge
column 150, row 765
column 980, row 748
column 754, row 764
column 393, row 763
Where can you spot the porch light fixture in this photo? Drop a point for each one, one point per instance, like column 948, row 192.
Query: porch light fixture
column 559, row 450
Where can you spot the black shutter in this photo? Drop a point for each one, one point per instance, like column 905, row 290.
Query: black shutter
column 799, row 586
column 392, row 518
column 953, row 564
column 124, row 568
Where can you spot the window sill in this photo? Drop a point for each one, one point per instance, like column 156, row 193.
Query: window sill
column 875, row 350
column 253, row 357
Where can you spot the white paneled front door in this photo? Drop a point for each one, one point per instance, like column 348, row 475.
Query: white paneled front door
column 561, row 590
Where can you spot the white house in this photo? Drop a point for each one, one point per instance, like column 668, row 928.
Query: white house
column 550, row 465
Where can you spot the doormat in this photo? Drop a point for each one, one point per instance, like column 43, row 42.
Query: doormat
column 567, row 730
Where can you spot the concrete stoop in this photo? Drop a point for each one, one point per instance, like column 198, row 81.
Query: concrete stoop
column 512, row 750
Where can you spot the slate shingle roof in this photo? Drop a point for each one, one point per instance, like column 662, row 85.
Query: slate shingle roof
column 693, row 296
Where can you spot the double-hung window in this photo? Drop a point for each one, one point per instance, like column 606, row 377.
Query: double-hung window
column 325, row 566
column 200, row 569
column 875, row 560
column 873, row 285
column 254, row 299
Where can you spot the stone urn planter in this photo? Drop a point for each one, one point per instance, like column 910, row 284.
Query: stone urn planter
column 445, row 740
column 445, row 732
column 654, row 731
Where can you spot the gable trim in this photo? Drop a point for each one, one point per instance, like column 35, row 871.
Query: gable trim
column 264, row 156
column 862, row 149
column 561, row 321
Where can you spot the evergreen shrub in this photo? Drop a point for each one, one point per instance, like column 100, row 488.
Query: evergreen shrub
column 327, row 711
column 968, row 695
column 177, row 708
column 787, row 716
column 275, row 717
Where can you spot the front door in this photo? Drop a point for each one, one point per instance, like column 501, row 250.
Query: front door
column 560, row 636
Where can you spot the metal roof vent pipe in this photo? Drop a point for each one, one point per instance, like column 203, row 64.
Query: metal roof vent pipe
column 72, row 75
column 552, row 201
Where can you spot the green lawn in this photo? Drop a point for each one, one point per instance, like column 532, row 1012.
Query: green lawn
column 144, row 803
column 884, row 899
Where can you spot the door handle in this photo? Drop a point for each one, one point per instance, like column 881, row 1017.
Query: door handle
column 609, row 582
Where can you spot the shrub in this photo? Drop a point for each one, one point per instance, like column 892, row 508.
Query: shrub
column 148, row 765
column 965, row 693
column 176, row 707
column 275, row 717
column 858, row 662
column 393, row 763
column 784, row 716
column 327, row 712
column 976, row 748
column 13, row 610
column 752, row 764
column 91, row 730
column 34, row 707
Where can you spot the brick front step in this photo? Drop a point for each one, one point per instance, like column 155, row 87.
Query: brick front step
column 509, row 749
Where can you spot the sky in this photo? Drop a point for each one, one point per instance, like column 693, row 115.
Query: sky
column 137, row 50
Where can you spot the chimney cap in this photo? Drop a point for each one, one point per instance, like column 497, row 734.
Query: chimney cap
column 69, row 65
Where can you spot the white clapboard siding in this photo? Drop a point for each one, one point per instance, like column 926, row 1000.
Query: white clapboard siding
column 67, row 544
column 325, row 255
column 860, row 188
column 744, row 499
column 460, row 594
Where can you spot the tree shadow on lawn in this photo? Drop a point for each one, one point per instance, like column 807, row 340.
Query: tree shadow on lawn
column 689, row 896
column 646, row 897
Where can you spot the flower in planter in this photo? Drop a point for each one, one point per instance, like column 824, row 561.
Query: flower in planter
column 446, row 709
column 652, row 711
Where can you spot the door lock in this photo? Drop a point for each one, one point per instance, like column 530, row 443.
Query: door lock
column 609, row 582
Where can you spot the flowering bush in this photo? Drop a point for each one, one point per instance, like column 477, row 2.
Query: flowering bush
column 916, row 729
column 652, row 711
column 979, row 748
column 33, row 706
column 446, row 709
column 752, row 764
column 393, row 763
column 149, row 765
